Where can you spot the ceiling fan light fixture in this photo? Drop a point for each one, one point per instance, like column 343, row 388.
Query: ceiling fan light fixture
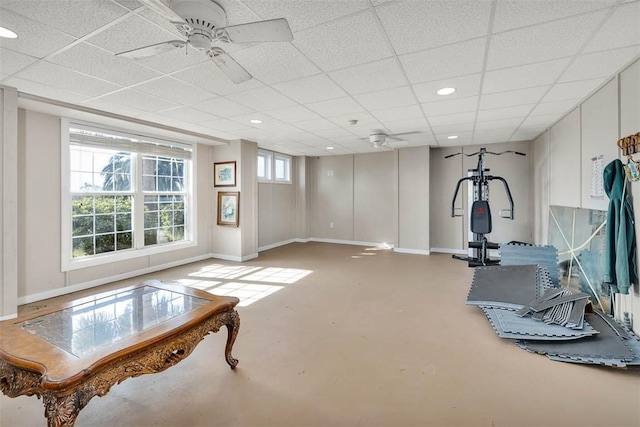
column 446, row 91
column 6, row 33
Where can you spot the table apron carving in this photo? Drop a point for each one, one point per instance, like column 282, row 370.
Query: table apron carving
column 63, row 405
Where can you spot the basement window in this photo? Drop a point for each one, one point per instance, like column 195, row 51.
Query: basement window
column 124, row 195
column 274, row 167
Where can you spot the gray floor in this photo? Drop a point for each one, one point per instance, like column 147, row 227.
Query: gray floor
column 351, row 336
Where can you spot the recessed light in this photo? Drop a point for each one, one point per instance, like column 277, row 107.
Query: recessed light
column 329, row 148
column 256, row 121
column 452, row 137
column 446, row 91
column 7, row 33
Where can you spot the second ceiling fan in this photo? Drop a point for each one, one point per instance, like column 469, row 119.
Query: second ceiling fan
column 204, row 22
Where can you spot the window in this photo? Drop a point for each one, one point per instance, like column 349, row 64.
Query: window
column 274, row 167
column 127, row 195
column 264, row 165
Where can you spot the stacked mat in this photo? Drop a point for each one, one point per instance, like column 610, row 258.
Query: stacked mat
column 522, row 303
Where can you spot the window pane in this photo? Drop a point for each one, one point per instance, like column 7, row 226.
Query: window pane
column 124, row 241
column 151, row 219
column 280, row 169
column 123, row 222
column 105, row 204
column 105, row 243
column 81, row 205
column 83, row 246
column 82, row 225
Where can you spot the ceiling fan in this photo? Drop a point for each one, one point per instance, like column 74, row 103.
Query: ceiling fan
column 380, row 139
column 204, row 22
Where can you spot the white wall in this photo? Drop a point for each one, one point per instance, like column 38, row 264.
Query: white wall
column 39, row 229
column 413, row 200
column 612, row 112
column 9, row 202
column 276, row 213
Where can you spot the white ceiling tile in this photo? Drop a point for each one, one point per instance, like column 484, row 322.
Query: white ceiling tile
column 365, row 125
column 525, row 135
column 418, row 25
column 336, row 107
column 505, row 113
column 349, row 41
column 555, row 107
column 452, row 119
column 244, row 119
column 600, row 64
column 53, row 75
column 174, row 60
column 511, row 124
column 540, row 42
column 310, row 89
column 512, row 98
column 316, row 124
column 130, row 4
column 225, row 125
column 388, row 98
column 398, row 113
column 294, row 113
column 462, row 137
column 524, row 76
column 98, row 62
column 572, row 90
column 138, row 100
column 546, row 120
column 111, row 107
column 237, row 12
column 455, row 129
column 491, row 136
column 374, row 76
column 34, row 39
column 334, row 134
column 450, row 106
column 465, row 86
column 131, row 33
column 512, row 14
column 188, row 114
column 455, row 142
column 275, row 62
column 12, row 62
column 408, row 125
column 74, row 17
column 209, row 77
column 222, row 107
column 45, row 91
column 261, row 99
column 175, row 123
column 622, row 29
column 175, row 90
column 445, row 62
column 303, row 14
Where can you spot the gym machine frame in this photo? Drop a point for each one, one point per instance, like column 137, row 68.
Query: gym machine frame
column 480, row 219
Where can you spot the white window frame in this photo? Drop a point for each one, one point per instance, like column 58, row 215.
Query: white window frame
column 69, row 263
column 288, row 161
column 268, row 163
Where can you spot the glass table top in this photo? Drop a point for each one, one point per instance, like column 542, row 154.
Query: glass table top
column 94, row 325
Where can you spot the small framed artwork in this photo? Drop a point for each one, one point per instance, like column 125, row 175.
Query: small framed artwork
column 224, row 174
column 229, row 208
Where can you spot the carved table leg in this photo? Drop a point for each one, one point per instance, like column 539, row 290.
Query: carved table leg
column 62, row 410
column 233, row 326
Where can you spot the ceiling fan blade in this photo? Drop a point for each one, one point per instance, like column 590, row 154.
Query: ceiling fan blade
column 163, row 10
column 229, row 66
column 154, row 49
column 274, row 30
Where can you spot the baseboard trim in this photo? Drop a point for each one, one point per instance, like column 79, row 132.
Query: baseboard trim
column 449, row 251
column 92, row 284
column 234, row 258
column 352, row 242
column 411, row 251
column 275, row 245
column 9, row 316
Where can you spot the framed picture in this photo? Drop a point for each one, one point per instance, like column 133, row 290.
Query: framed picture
column 229, row 208
column 224, row 174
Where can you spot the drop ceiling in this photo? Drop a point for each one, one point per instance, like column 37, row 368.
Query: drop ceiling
column 518, row 66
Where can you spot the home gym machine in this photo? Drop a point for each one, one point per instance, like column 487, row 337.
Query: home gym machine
column 480, row 218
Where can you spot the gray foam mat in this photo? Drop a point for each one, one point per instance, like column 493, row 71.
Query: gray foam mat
column 504, row 286
column 508, row 324
column 605, row 345
column 522, row 254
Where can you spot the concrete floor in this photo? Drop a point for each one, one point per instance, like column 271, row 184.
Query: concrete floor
column 352, row 336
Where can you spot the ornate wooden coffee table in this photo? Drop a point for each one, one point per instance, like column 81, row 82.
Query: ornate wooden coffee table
column 71, row 353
